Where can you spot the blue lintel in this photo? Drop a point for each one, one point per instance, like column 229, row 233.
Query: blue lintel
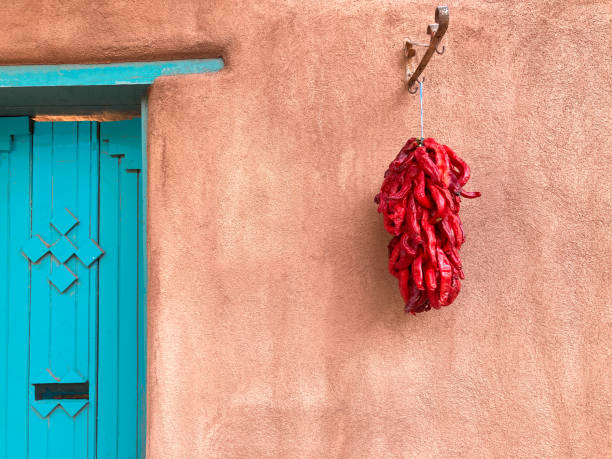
column 124, row 73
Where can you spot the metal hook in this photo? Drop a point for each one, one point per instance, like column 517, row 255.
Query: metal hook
column 436, row 32
column 416, row 84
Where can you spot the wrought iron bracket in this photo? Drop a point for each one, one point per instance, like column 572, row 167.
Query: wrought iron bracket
column 436, row 32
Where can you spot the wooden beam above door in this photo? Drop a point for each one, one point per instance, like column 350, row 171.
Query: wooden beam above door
column 124, row 73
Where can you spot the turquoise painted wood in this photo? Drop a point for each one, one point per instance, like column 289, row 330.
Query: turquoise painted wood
column 121, row 420
column 126, row 73
column 71, row 295
column 15, row 192
column 142, row 284
column 64, row 176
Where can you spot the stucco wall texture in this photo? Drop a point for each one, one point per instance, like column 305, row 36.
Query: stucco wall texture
column 275, row 329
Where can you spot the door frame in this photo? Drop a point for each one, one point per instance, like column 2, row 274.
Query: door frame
column 77, row 82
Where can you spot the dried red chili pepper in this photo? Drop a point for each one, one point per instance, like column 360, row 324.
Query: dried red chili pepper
column 470, row 194
column 412, row 219
column 447, row 231
column 417, row 272
column 430, row 238
column 430, row 278
column 440, row 201
column 419, row 191
column 453, row 256
column 464, row 169
column 457, row 227
column 404, row 280
column 455, row 288
column 427, row 164
column 446, row 274
column 420, row 200
column 441, row 159
column 407, row 246
column 432, row 297
column 394, row 258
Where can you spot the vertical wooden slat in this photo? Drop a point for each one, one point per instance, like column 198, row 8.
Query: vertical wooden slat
column 81, row 428
column 5, row 222
column 94, row 152
column 42, row 173
column 14, row 286
column 142, row 281
column 42, row 189
column 63, row 304
column 86, row 302
column 19, row 276
column 39, row 430
column 79, row 236
column 127, row 364
column 63, row 327
column 108, row 315
column 61, row 435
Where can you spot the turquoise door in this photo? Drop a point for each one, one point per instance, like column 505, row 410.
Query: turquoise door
column 72, row 335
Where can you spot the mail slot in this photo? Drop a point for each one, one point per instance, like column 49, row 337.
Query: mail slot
column 54, row 391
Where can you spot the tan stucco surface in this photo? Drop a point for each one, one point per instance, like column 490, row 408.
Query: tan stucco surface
column 274, row 327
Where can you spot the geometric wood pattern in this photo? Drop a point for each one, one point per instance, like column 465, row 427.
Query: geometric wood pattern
column 63, row 307
column 63, row 221
column 35, row 248
column 62, row 250
column 72, row 312
column 62, row 278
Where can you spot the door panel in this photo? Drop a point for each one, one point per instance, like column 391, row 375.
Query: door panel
column 63, row 296
column 71, row 310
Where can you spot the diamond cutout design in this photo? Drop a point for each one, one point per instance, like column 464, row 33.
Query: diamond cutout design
column 35, row 249
column 63, row 249
column 89, row 252
column 63, row 221
column 62, row 278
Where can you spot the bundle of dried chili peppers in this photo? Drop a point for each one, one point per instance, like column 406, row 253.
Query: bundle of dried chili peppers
column 419, row 200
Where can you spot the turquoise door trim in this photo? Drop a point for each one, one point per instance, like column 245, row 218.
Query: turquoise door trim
column 125, row 73
column 142, row 287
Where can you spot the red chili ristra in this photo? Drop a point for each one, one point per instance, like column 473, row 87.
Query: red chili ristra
column 420, row 200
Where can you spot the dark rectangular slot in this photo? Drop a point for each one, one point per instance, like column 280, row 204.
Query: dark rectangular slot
column 54, row 391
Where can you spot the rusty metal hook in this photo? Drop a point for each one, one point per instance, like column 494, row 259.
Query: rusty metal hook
column 416, row 87
column 436, row 32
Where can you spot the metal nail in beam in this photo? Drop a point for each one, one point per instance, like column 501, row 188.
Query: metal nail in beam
column 436, row 32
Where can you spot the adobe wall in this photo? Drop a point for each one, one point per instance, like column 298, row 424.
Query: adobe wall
column 275, row 329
